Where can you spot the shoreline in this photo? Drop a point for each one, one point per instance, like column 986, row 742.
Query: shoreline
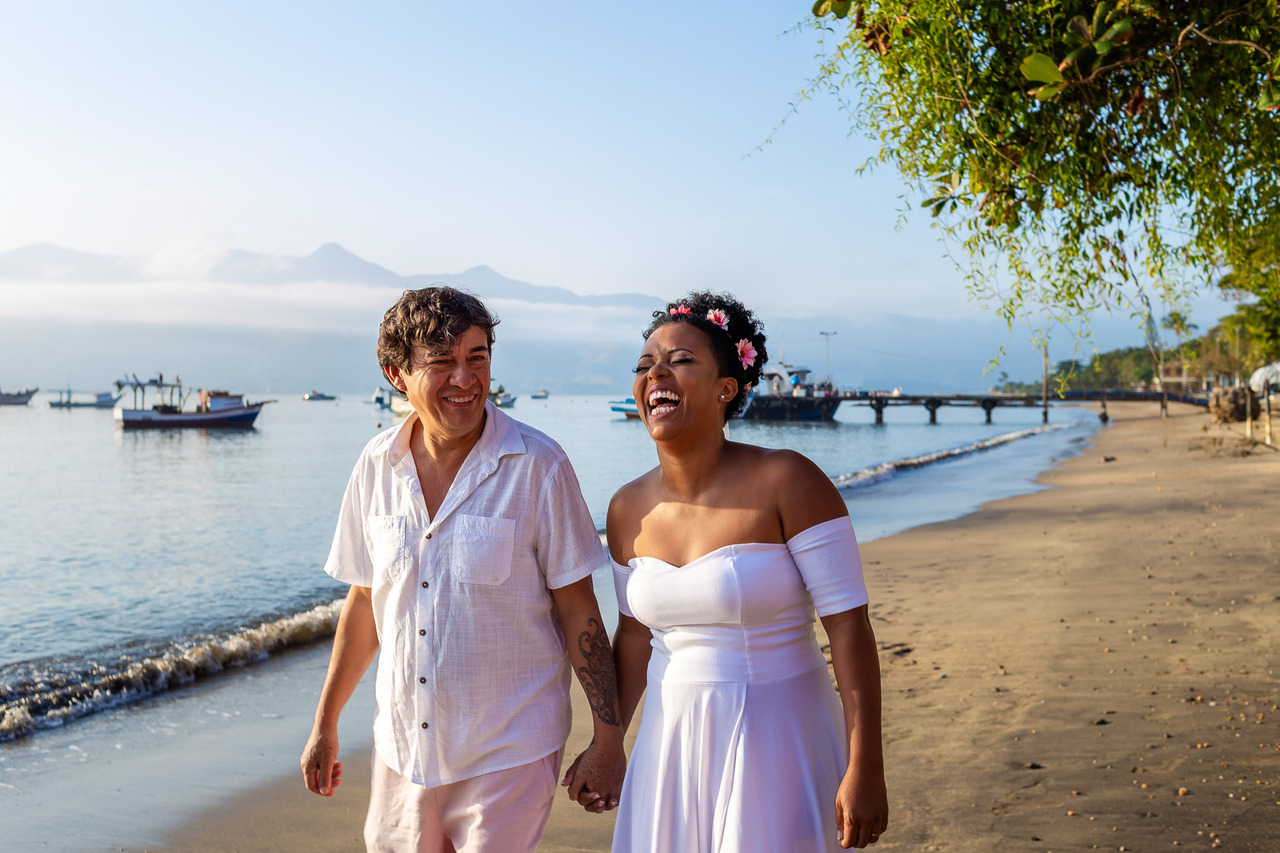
column 1090, row 665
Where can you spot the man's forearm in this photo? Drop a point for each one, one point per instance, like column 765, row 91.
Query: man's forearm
column 355, row 645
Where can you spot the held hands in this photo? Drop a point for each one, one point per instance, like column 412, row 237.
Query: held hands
column 594, row 779
column 862, row 808
column 320, row 771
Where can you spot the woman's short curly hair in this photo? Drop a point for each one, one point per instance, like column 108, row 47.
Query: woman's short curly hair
column 695, row 310
column 431, row 317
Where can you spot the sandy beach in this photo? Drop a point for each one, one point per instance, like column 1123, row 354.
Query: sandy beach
column 1092, row 666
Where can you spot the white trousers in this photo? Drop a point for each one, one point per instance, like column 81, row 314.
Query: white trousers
column 503, row 811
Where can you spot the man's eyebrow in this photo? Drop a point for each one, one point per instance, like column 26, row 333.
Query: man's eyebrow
column 480, row 348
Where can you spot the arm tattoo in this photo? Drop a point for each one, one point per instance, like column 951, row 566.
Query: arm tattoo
column 599, row 680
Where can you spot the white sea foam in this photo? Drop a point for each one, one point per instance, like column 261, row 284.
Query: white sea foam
column 883, row 471
column 49, row 702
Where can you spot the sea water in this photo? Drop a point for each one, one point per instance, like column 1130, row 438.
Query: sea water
column 161, row 587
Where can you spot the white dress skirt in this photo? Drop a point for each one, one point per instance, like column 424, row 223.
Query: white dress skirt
column 741, row 744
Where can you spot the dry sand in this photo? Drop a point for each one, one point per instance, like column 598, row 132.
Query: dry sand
column 1089, row 667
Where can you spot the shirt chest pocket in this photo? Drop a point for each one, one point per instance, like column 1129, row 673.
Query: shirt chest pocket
column 388, row 546
column 482, row 548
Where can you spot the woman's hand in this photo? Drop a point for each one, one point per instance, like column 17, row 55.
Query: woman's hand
column 862, row 807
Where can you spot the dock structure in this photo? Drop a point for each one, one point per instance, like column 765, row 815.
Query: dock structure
column 990, row 402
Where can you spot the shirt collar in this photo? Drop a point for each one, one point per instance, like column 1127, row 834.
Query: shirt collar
column 500, row 437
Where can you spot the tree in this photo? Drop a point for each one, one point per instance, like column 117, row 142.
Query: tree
column 1084, row 154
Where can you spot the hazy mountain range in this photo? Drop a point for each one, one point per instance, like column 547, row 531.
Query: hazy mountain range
column 98, row 321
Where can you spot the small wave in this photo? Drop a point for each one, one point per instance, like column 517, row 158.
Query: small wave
column 885, row 470
column 52, row 699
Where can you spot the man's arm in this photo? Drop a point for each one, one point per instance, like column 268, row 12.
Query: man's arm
column 355, row 644
column 595, row 778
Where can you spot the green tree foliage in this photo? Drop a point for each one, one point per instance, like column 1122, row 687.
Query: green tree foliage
column 1083, row 153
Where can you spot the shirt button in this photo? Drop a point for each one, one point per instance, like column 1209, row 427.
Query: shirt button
column 425, row 584
column 422, row 632
column 422, row 679
column 426, row 725
column 428, row 535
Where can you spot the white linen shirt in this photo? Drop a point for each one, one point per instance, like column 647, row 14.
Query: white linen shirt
column 473, row 674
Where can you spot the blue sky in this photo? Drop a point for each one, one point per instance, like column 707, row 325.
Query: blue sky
column 598, row 147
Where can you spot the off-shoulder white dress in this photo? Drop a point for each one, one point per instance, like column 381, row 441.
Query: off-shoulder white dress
column 741, row 744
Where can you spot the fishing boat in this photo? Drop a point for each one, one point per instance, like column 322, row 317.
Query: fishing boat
column 382, row 397
column 501, row 398
column 625, row 407
column 314, row 395
column 785, row 394
column 214, row 408
column 20, row 398
column 540, row 394
column 101, row 400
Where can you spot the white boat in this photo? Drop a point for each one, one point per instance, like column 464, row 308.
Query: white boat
column 501, row 398
column 625, row 407
column 382, row 397
column 20, row 398
column 101, row 400
column 314, row 395
column 214, row 409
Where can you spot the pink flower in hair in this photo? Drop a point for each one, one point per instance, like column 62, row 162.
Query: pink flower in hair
column 746, row 353
column 721, row 319
column 680, row 309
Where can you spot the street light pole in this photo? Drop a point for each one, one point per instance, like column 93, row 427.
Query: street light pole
column 827, row 337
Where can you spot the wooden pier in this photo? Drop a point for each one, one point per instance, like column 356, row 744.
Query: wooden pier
column 990, row 402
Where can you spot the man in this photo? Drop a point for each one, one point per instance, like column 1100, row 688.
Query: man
column 469, row 551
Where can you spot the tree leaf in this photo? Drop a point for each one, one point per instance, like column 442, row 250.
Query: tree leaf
column 1045, row 93
column 1041, row 69
column 1268, row 101
column 1119, row 32
column 1080, row 27
column 1100, row 13
column 1102, row 47
column 821, row 8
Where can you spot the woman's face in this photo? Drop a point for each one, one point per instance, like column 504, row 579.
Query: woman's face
column 678, row 383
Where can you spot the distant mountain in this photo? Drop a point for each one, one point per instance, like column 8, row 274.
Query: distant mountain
column 46, row 262
column 331, row 262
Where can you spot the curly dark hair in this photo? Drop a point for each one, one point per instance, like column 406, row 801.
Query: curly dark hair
column 432, row 317
column 743, row 325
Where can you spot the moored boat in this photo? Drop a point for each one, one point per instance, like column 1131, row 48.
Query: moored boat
column 785, row 394
column 625, row 407
column 540, row 394
column 214, row 409
column 19, row 398
column 101, row 400
column 313, row 395
column 501, row 398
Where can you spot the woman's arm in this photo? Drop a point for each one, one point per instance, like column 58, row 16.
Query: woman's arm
column 862, row 802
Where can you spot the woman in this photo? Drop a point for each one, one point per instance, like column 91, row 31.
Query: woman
column 721, row 555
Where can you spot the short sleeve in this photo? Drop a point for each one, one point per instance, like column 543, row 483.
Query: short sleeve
column 348, row 555
column 621, row 574
column 827, row 556
column 569, row 548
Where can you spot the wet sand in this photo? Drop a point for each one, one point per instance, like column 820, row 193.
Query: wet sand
column 1089, row 667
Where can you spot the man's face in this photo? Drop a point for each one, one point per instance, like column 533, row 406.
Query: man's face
column 448, row 387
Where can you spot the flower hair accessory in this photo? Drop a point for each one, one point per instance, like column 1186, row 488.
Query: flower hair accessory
column 718, row 318
column 680, row 309
column 746, row 353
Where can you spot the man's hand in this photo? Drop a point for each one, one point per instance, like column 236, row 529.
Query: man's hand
column 594, row 779
column 320, row 769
